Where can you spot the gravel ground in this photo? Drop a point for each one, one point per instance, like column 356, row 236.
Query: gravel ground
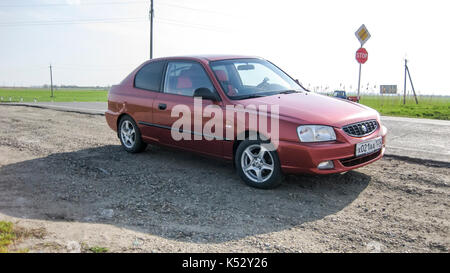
column 65, row 175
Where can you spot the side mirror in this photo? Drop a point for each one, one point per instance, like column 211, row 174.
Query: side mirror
column 206, row 94
column 296, row 80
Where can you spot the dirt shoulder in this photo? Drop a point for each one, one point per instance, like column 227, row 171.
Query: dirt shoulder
column 65, row 174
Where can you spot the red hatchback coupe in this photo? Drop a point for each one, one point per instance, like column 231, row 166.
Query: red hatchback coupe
column 158, row 103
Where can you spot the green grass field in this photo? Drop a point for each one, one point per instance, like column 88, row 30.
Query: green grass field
column 428, row 107
column 44, row 95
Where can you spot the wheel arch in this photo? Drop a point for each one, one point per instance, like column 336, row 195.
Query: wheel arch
column 119, row 118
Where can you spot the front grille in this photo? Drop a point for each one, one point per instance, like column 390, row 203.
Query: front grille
column 361, row 129
column 353, row 161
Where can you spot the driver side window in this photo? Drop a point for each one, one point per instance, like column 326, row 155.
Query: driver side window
column 183, row 78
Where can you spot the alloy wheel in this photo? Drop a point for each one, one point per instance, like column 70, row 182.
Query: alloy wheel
column 257, row 163
column 128, row 134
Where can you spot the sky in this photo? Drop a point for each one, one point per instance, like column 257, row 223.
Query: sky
column 99, row 42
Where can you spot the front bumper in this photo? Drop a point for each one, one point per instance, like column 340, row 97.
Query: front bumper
column 297, row 157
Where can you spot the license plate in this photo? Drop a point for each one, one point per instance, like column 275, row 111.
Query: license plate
column 369, row 146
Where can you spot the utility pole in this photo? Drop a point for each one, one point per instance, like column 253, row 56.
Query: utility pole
column 51, row 79
column 151, row 13
column 404, row 88
column 412, row 85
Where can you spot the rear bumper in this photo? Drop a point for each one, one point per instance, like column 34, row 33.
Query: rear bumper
column 297, row 157
column 111, row 119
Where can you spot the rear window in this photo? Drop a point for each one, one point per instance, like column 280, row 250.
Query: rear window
column 149, row 77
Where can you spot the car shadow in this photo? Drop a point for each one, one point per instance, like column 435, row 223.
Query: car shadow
column 172, row 194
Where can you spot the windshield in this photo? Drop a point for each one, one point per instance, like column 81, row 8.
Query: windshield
column 248, row 78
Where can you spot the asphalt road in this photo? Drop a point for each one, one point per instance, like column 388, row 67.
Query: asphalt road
column 409, row 137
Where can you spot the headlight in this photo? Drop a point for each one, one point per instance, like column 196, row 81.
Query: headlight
column 315, row 133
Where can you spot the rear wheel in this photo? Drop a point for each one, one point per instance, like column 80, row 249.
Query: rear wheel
column 130, row 136
column 257, row 165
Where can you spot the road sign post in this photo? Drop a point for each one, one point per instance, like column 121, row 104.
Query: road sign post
column 362, row 34
column 359, row 81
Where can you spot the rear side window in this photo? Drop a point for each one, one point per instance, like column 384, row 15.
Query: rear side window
column 183, row 78
column 149, row 77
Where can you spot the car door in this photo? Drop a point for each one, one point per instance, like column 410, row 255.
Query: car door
column 181, row 79
column 146, row 87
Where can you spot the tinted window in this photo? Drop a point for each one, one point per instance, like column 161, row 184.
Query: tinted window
column 149, row 77
column 183, row 78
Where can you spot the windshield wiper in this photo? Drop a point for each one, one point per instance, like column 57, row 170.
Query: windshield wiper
column 249, row 96
column 288, row 92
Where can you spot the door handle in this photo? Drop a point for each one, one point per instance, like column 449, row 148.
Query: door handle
column 162, row 106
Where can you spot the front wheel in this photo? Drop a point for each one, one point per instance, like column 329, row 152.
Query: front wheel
column 258, row 166
column 130, row 136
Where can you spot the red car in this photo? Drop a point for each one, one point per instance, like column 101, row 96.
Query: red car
column 315, row 133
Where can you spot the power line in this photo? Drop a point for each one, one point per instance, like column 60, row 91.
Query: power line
column 71, row 5
column 71, row 21
column 110, row 20
column 190, row 25
column 195, row 9
column 110, row 3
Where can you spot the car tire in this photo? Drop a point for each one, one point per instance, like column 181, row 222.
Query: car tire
column 258, row 166
column 130, row 135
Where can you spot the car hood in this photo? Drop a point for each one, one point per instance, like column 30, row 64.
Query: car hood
column 310, row 108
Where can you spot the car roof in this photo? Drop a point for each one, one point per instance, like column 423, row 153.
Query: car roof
column 208, row 57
